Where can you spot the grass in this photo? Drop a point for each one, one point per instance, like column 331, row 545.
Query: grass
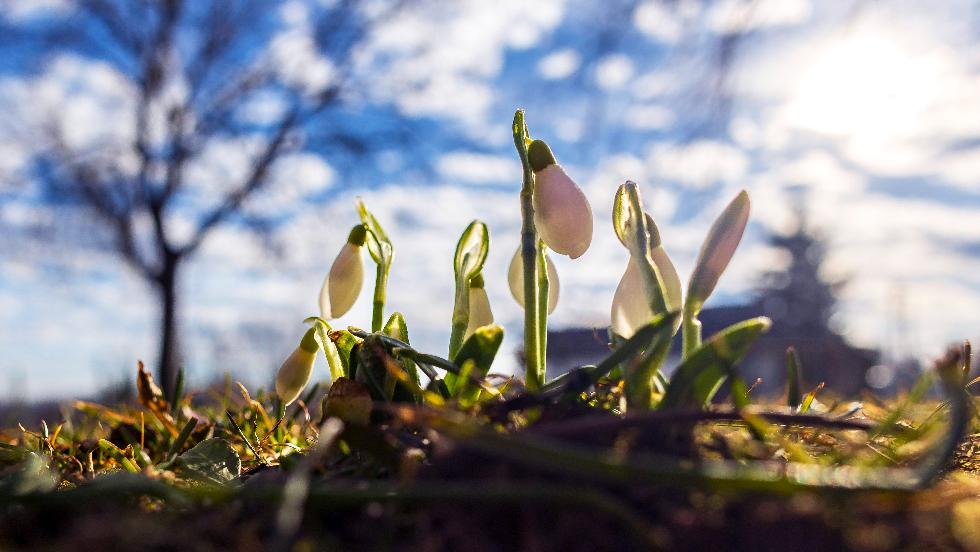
column 219, row 469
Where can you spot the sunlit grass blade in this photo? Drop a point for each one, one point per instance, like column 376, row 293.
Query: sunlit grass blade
column 578, row 380
column 178, row 443
column 480, row 350
column 336, row 364
column 640, row 372
column 397, row 328
column 241, row 434
column 699, row 376
column 808, row 399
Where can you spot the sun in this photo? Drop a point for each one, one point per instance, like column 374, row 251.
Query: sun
column 867, row 86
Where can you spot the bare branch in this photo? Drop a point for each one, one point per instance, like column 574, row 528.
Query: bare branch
column 255, row 180
column 97, row 196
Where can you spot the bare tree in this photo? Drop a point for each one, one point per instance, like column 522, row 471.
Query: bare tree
column 192, row 68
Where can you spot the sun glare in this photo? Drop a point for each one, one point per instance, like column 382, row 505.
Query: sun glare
column 866, row 86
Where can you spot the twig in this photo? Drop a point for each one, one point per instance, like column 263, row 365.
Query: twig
column 602, row 424
column 231, row 419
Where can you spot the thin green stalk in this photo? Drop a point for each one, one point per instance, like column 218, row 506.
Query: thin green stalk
column 238, row 430
column 642, row 370
column 380, row 283
column 652, row 280
column 182, row 437
column 691, row 332
column 461, row 318
column 793, row 376
column 543, row 285
column 533, row 360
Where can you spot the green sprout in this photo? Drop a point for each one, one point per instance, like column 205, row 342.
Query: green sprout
column 471, row 254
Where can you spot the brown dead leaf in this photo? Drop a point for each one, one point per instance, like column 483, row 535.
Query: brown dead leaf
column 151, row 397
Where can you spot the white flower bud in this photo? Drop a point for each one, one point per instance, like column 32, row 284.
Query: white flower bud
column 295, row 372
column 515, row 278
column 480, row 313
column 672, row 282
column 346, row 278
column 631, row 307
column 717, row 250
column 562, row 214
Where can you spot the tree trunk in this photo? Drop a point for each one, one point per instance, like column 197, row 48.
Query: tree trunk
column 169, row 358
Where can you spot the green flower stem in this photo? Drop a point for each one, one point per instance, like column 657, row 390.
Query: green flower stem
column 542, row 327
column 653, row 282
column 533, row 359
column 380, row 283
column 461, row 318
column 691, row 332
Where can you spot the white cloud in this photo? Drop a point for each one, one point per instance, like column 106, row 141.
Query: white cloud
column 652, row 85
column 21, row 10
column 221, row 167
column 698, row 164
column 570, row 129
column 648, row 117
column 613, row 71
column 745, row 132
column 461, row 166
column 295, row 178
column 82, row 94
column 821, row 171
column 294, row 54
column 960, row 168
column 733, row 16
column 437, row 60
column 657, row 21
column 263, row 108
column 559, row 65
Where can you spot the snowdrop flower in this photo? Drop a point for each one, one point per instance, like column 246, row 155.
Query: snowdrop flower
column 295, row 372
column 562, row 214
column 630, row 306
column 515, row 277
column 480, row 313
column 346, row 277
column 717, row 250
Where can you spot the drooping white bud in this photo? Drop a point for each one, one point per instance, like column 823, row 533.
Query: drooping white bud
column 562, row 214
column 515, row 278
column 346, row 278
column 295, row 372
column 480, row 313
column 631, row 307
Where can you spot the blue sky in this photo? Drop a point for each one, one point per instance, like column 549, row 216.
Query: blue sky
column 868, row 109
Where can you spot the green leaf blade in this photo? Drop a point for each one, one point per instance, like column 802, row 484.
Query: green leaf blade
column 699, row 376
column 212, row 461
